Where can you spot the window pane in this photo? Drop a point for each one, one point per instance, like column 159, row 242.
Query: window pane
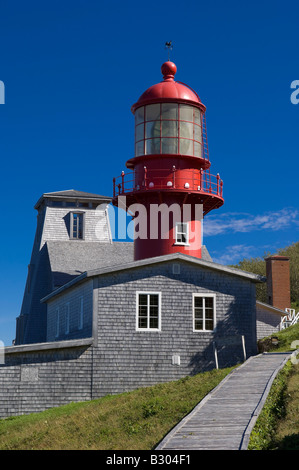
column 142, row 299
column 197, row 116
column 153, row 310
column 169, row 111
column 181, row 238
column 209, row 325
column 209, row 302
column 80, row 227
column 142, row 322
column 181, row 227
column 152, row 129
column 186, row 130
column 139, row 132
column 139, row 115
column 186, row 113
column 152, row 112
column 186, row 147
column 169, row 128
column 154, row 299
column 153, row 322
column 142, row 310
column 198, row 325
column 139, row 148
column 152, row 146
column 198, row 313
column 197, row 149
column 169, row 145
column 198, row 302
column 197, row 133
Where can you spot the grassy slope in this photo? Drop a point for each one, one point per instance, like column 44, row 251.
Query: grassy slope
column 134, row 420
column 277, row 426
column 139, row 419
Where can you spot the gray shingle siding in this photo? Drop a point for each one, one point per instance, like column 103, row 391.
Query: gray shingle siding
column 32, row 381
column 120, row 358
column 73, row 298
column 56, row 259
column 267, row 322
column 127, row 358
column 57, row 225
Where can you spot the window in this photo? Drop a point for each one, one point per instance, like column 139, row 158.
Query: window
column 81, row 313
column 77, row 225
column 181, row 233
column 204, row 312
column 148, row 310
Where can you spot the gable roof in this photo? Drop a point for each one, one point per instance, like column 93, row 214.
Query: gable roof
column 156, row 260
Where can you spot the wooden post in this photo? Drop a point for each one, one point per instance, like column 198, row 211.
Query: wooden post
column 215, row 354
column 244, row 349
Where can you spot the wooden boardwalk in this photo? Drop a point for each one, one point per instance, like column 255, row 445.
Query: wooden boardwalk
column 223, row 420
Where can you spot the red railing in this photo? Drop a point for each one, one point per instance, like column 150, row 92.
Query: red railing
column 174, row 179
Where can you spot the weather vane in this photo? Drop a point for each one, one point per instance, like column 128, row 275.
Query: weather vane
column 168, row 45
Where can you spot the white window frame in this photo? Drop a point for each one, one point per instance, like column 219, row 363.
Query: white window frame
column 185, row 232
column 148, row 316
column 203, row 295
column 67, row 318
column 81, row 312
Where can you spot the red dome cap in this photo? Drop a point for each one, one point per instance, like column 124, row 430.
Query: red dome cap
column 169, row 91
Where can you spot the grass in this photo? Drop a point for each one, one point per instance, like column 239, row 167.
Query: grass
column 277, row 427
column 136, row 420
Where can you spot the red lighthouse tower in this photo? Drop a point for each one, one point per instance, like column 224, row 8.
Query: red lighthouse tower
column 169, row 188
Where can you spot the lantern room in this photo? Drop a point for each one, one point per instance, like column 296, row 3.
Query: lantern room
column 168, row 128
column 170, row 167
column 169, row 120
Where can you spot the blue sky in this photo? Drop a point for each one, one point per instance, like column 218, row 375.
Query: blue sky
column 72, row 70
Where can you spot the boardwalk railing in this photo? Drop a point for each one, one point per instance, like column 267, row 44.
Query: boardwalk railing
column 290, row 319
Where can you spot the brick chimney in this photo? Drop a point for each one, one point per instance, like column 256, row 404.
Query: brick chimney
column 278, row 281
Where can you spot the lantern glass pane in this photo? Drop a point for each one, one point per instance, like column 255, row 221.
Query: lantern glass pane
column 186, row 147
column 197, row 133
column 169, row 111
column 197, row 119
column 139, row 148
column 186, row 112
column 186, row 130
column 197, row 149
column 140, row 132
column 169, row 145
column 152, row 129
column 169, row 128
column 152, row 146
column 139, row 115
column 152, row 112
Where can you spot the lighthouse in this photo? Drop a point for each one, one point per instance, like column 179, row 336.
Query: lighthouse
column 168, row 187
